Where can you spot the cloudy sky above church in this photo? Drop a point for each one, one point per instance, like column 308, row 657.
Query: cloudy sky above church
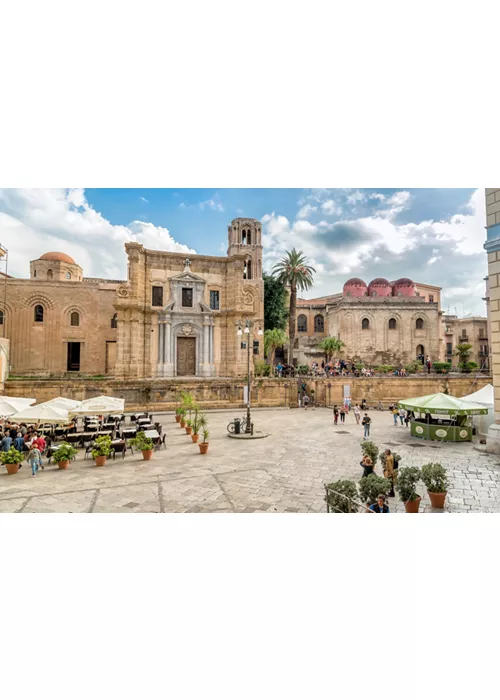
column 433, row 236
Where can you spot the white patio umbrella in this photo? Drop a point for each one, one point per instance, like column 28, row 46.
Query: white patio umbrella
column 42, row 413
column 65, row 404
column 98, row 406
column 12, row 404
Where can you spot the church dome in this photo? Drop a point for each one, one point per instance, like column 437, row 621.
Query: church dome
column 355, row 287
column 404, row 287
column 380, row 287
column 58, row 257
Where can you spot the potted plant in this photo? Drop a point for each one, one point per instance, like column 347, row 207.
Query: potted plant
column 189, row 426
column 11, row 460
column 406, row 484
column 435, row 478
column 182, row 413
column 63, row 455
column 371, row 486
column 144, row 444
column 199, row 421
column 204, row 445
column 101, row 450
column 178, row 415
column 370, row 448
column 341, row 496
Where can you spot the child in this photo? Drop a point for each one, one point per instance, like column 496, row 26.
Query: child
column 34, row 458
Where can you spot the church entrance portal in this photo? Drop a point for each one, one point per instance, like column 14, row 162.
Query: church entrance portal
column 186, row 357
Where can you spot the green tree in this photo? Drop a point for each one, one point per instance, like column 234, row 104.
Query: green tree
column 293, row 270
column 273, row 338
column 275, row 304
column 463, row 351
column 331, row 346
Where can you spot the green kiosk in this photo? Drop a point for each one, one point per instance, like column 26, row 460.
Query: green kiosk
column 442, row 417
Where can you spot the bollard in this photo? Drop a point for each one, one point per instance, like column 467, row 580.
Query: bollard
column 237, row 424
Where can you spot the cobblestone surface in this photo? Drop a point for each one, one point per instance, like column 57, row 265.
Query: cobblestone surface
column 282, row 473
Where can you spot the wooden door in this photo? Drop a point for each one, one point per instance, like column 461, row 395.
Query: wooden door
column 186, row 357
column 110, row 356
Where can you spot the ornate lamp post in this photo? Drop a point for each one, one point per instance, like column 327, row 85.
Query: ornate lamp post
column 246, row 328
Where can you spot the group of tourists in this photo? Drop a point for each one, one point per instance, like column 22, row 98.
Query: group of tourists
column 24, row 438
column 343, row 411
column 390, row 472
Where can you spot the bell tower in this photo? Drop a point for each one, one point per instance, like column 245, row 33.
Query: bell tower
column 245, row 238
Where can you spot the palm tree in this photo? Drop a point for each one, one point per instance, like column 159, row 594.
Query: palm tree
column 330, row 346
column 463, row 350
column 273, row 338
column 294, row 271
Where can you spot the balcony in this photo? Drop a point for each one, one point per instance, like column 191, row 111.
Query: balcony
column 449, row 331
column 463, row 339
column 483, row 353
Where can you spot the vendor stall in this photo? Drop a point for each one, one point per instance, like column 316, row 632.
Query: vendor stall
column 442, row 417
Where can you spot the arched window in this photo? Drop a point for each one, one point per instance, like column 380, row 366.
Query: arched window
column 75, row 318
column 39, row 313
column 249, row 238
column 68, row 275
column 34, row 273
column 247, row 270
column 319, row 324
column 243, row 237
column 365, row 324
column 392, row 324
column 114, row 321
column 1, row 318
column 50, row 274
column 419, row 324
column 302, row 324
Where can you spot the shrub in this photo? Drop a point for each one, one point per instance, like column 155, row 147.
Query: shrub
column 370, row 448
column 435, row 477
column 341, row 496
column 441, row 367
column 413, row 367
column 370, row 487
column 141, row 442
column 262, row 369
column 303, row 369
column 12, row 456
column 408, row 478
column 384, row 369
column 397, row 458
column 359, row 366
column 64, row 453
column 102, row 447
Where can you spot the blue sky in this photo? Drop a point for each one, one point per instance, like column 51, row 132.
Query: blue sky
column 431, row 235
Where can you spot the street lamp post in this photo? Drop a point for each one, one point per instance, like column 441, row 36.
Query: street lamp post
column 247, row 329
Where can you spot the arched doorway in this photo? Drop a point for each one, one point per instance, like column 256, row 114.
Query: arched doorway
column 420, row 354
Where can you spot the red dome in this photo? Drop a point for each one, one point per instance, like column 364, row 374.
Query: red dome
column 404, row 287
column 58, row 257
column 355, row 288
column 403, row 281
column 380, row 287
column 379, row 282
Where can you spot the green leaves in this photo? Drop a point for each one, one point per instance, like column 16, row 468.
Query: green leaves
column 331, row 346
column 371, row 486
column 275, row 304
column 342, row 496
column 64, row 452
column 370, row 448
column 12, row 456
column 435, row 477
column 293, row 270
column 408, row 478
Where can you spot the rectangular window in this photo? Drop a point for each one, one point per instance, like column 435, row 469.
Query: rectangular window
column 481, row 332
column 449, row 348
column 431, row 298
column 157, row 297
column 187, row 296
column 214, row 299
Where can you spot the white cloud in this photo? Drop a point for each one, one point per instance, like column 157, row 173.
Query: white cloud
column 214, row 204
column 376, row 195
column 145, row 200
column 306, row 210
column 331, row 208
column 35, row 221
column 356, row 197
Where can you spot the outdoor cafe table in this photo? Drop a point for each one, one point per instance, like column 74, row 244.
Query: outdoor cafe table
column 105, row 432
column 129, row 432
column 145, row 426
column 151, row 434
column 141, row 421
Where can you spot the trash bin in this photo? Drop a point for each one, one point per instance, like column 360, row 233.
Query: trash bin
column 237, row 426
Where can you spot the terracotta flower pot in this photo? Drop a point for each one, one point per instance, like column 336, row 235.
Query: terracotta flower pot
column 12, row 468
column 147, row 454
column 100, row 461
column 194, row 437
column 189, row 430
column 177, row 419
column 203, row 447
column 183, row 424
column 437, row 499
column 413, row 506
column 64, row 464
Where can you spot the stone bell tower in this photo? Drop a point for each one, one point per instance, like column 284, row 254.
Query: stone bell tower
column 245, row 238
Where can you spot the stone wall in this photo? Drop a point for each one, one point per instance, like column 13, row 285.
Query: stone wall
column 162, row 394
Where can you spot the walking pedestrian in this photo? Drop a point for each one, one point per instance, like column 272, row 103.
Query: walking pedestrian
column 335, row 415
column 380, row 506
column 366, row 425
column 402, row 415
column 367, row 464
column 428, row 363
column 342, row 415
column 389, row 470
column 395, row 414
column 357, row 414
column 34, row 458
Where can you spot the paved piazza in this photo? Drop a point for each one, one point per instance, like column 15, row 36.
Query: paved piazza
column 282, row 473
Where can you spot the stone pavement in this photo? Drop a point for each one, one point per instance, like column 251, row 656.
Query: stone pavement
column 282, row 473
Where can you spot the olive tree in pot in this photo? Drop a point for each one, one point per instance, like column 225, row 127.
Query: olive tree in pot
column 101, row 450
column 63, row 455
column 371, row 486
column 204, row 445
column 144, row 444
column 341, row 496
column 435, row 478
column 370, row 448
column 11, row 460
column 408, row 478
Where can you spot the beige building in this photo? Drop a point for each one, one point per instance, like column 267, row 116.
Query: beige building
column 492, row 247
column 172, row 317
column 381, row 323
column 473, row 331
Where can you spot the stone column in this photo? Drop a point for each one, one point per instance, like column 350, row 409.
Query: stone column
column 492, row 247
column 168, row 367
column 161, row 347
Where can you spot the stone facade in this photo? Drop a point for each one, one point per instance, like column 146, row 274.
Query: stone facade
column 472, row 330
column 492, row 247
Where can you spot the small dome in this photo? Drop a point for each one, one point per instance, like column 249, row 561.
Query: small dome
column 355, row 288
column 355, row 280
column 403, row 281
column 58, row 257
column 379, row 282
